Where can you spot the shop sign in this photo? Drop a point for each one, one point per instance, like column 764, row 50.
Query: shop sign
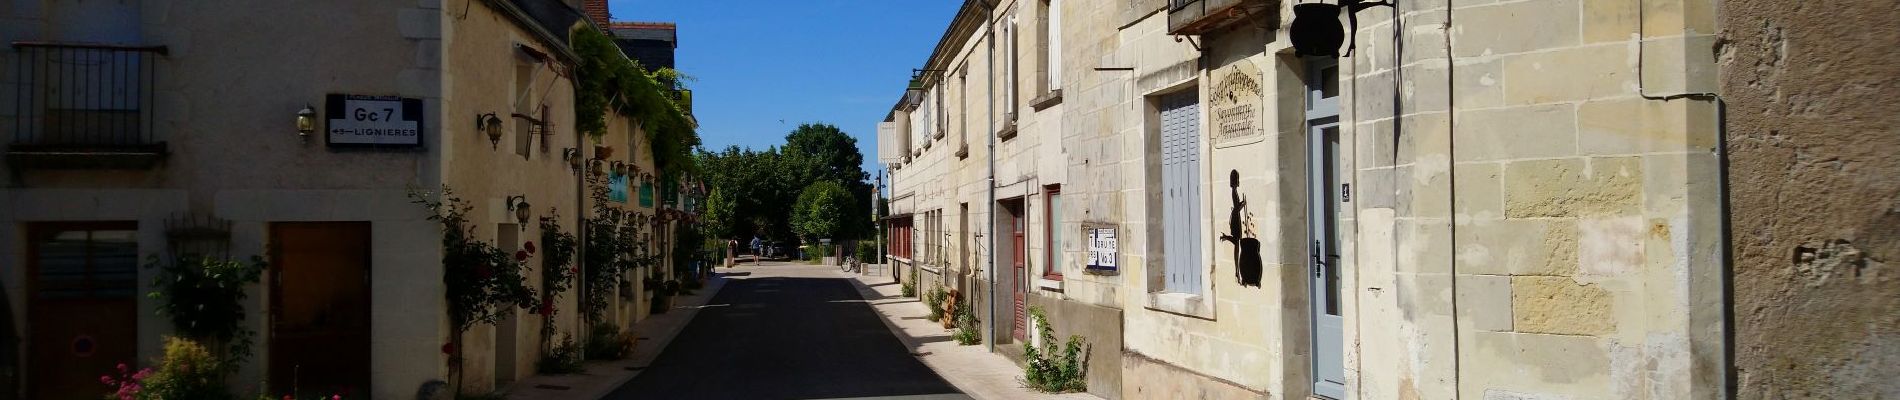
column 1235, row 102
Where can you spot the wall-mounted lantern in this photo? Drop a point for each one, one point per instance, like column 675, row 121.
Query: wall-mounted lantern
column 519, row 204
column 491, row 125
column 620, row 168
column 306, row 122
column 1316, row 32
column 573, row 158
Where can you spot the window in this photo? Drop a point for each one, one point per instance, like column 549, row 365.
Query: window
column 943, row 122
column 1180, row 142
column 963, row 237
column 524, row 105
column 1009, row 65
column 1050, row 43
column 1052, row 225
column 86, row 262
column 963, row 103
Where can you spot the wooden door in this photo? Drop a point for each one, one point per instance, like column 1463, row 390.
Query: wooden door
column 320, row 299
column 82, row 307
column 1019, row 256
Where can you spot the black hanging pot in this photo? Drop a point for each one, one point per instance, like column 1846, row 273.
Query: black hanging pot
column 1316, row 30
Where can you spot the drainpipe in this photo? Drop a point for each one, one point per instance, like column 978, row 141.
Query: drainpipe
column 989, row 41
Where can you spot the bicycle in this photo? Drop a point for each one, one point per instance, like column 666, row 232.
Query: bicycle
column 850, row 264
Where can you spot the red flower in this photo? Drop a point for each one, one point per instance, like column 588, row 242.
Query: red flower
column 547, row 308
column 521, row 255
column 529, row 246
column 483, row 272
column 448, row 348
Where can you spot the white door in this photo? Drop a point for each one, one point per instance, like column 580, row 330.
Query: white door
column 1180, row 185
column 1325, row 191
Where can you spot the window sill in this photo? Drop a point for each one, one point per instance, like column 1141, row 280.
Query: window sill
column 930, row 269
column 899, row 259
column 1008, row 132
column 1047, row 100
column 963, row 151
column 1184, row 304
column 1053, row 285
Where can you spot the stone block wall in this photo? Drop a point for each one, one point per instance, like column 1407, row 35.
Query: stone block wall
column 1812, row 143
column 1553, row 227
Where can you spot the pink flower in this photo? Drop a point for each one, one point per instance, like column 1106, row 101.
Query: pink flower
column 521, row 255
column 287, row 397
column 336, row 397
column 529, row 246
column 448, row 348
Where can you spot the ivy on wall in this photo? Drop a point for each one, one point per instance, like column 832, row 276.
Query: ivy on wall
column 606, row 80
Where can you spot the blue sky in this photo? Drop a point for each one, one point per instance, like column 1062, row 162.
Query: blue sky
column 759, row 62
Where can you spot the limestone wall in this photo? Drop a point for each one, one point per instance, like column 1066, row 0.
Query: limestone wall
column 1533, row 225
column 1812, row 143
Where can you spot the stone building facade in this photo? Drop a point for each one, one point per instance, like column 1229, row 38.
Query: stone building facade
column 194, row 130
column 1491, row 199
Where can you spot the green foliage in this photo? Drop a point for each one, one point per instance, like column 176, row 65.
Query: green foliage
column 968, row 331
column 481, row 280
column 613, row 247
column 909, row 289
column 822, row 152
column 563, row 359
column 557, row 268
column 759, row 183
column 867, row 252
column 821, row 211
column 1047, row 371
column 934, row 298
column 187, row 370
column 606, row 342
column 204, row 298
column 605, row 79
column 721, row 216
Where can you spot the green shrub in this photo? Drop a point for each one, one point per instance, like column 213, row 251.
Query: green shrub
column 910, row 289
column 968, row 332
column 1045, row 370
column 564, row 358
column 606, row 342
column 867, row 252
column 187, row 370
column 934, row 299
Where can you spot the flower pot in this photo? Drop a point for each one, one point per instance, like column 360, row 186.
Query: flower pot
column 602, row 152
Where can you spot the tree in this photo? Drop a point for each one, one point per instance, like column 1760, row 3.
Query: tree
column 821, row 211
column 822, row 152
column 722, row 215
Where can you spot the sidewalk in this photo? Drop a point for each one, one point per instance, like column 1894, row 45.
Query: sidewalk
column 972, row 369
column 602, row 377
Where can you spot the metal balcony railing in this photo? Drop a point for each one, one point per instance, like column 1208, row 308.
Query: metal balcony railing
column 84, row 98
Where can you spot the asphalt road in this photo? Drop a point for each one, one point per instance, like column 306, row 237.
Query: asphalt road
column 786, row 332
